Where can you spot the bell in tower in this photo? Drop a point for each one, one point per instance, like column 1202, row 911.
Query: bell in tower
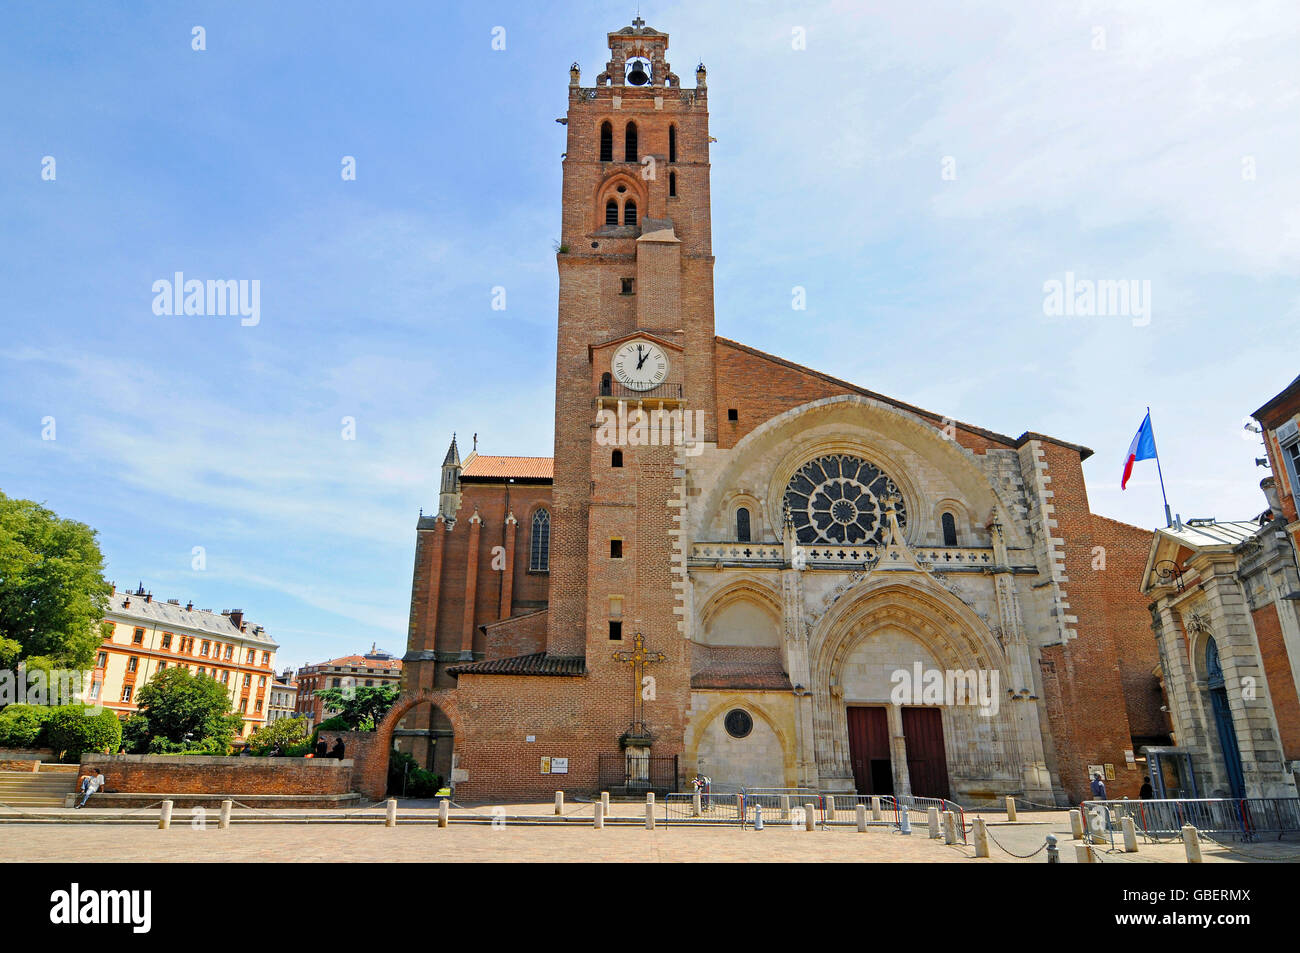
column 638, row 72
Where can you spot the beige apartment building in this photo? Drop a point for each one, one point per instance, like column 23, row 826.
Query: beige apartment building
column 150, row 635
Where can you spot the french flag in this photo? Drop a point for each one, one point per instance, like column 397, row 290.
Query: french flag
column 1143, row 447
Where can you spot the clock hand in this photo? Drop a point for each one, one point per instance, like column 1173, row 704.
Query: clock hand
column 642, row 359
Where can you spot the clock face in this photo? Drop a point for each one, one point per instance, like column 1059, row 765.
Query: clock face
column 640, row 365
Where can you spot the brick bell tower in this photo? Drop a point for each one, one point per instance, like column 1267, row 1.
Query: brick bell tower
column 635, row 336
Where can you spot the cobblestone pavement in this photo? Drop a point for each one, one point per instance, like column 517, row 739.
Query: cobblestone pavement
column 308, row 842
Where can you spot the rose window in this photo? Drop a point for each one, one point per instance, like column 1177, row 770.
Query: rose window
column 842, row 499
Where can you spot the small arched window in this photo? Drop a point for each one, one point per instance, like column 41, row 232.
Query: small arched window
column 539, row 546
column 672, row 185
column 616, row 458
column 629, row 213
column 672, row 143
column 611, row 212
column 949, row 530
column 629, row 143
column 605, row 383
column 742, row 525
column 606, row 142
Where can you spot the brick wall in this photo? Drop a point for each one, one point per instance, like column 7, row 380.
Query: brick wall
column 1088, row 713
column 161, row 774
column 26, row 755
column 1128, row 616
column 1277, row 669
column 524, row 635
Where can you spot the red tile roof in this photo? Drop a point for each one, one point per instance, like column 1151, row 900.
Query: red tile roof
column 539, row 663
column 735, row 666
column 502, row 467
column 359, row 661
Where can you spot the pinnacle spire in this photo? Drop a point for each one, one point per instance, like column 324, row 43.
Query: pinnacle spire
column 453, row 454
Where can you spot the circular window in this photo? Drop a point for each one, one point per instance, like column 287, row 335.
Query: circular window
column 739, row 723
column 842, row 499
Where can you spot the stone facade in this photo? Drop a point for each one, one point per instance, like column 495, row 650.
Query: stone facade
column 974, row 553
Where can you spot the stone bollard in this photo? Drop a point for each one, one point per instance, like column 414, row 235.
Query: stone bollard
column 1011, row 808
column 650, row 797
column 444, row 812
column 224, row 820
column 598, row 819
column 862, row 817
column 785, row 805
column 810, row 816
column 758, row 817
column 604, row 799
column 650, row 815
column 559, row 802
column 1093, row 826
column 830, row 807
column 165, row 816
column 1076, row 825
column 696, row 805
column 905, row 823
column 932, row 815
column 390, row 814
column 949, row 827
column 1083, row 854
column 981, row 833
column 1053, row 853
column 876, row 814
column 1130, row 835
column 1191, row 843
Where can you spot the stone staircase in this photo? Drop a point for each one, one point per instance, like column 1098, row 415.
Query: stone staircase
column 48, row 787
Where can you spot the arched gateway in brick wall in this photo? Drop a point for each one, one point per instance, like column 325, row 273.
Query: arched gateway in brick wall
column 371, row 774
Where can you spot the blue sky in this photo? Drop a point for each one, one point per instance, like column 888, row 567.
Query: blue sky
column 1107, row 140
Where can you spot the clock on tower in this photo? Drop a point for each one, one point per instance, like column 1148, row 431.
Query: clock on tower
column 640, row 365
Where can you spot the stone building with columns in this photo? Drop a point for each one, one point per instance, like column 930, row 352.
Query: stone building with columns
column 745, row 567
column 1226, row 613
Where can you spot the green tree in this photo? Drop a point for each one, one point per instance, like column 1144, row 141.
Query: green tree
column 23, row 726
column 184, row 712
column 52, row 589
column 286, row 733
column 72, row 729
column 361, row 708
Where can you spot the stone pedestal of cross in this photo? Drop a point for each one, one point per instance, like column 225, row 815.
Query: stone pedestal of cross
column 638, row 658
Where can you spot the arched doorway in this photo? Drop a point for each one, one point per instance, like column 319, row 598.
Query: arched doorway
column 1216, row 685
column 371, row 774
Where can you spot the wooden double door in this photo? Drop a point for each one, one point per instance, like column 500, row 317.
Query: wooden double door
column 869, row 751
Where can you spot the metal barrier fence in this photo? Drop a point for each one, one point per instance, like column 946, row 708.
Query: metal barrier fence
column 777, row 803
column 714, row 808
column 1243, row 818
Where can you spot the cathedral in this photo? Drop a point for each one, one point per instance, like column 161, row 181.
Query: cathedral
column 737, row 566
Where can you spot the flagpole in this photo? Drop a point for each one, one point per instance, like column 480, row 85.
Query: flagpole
column 1169, row 521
